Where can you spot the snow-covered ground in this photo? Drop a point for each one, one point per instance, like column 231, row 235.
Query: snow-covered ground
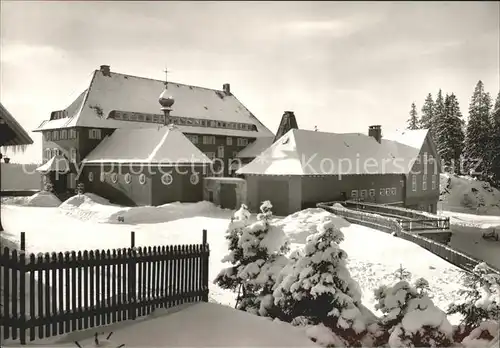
column 86, row 224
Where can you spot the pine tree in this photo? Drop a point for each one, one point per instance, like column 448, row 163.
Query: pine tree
column 318, row 286
column 257, row 255
column 449, row 133
column 480, row 300
column 410, row 318
column 413, row 120
column 477, row 152
column 438, row 114
column 427, row 113
column 495, row 142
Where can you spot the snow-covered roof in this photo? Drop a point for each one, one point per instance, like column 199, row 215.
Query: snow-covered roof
column 20, row 135
column 255, row 148
column 57, row 163
column 304, row 152
column 163, row 144
column 127, row 93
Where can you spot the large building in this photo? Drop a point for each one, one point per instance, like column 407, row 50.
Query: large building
column 303, row 168
column 215, row 122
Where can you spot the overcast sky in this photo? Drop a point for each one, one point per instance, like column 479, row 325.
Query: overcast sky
column 338, row 65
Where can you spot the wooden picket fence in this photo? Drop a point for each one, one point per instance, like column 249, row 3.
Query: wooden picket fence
column 57, row 293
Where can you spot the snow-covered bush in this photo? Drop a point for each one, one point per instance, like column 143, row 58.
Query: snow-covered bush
column 80, row 189
column 410, row 318
column 316, row 286
column 257, row 254
column 482, row 335
column 481, row 302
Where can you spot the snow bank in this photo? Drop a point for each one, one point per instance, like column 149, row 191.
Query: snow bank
column 162, row 213
column 88, row 206
column 465, row 194
column 43, row 199
column 198, row 325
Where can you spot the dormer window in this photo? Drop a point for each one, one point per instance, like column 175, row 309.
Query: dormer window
column 95, row 134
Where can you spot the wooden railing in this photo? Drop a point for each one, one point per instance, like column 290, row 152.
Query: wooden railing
column 391, row 225
column 56, row 293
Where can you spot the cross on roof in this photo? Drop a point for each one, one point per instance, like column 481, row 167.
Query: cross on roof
column 166, row 76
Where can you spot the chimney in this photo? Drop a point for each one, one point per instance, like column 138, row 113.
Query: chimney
column 105, row 69
column 376, row 132
column 288, row 122
column 226, row 88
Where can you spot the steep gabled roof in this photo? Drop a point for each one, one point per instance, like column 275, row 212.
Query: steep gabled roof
column 12, row 133
column 255, row 148
column 303, row 152
column 121, row 92
column 162, row 144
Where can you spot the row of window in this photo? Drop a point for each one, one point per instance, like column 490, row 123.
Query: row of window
column 181, row 121
column 425, row 158
column 49, row 153
column 389, row 191
column 424, row 182
column 210, row 140
column 166, row 178
column 64, row 134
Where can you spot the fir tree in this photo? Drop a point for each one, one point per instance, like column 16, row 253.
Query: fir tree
column 495, row 142
column 256, row 254
column 427, row 113
column 477, row 138
column 438, row 115
column 449, row 133
column 480, row 300
column 318, row 286
column 413, row 120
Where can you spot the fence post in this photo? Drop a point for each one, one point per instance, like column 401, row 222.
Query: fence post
column 206, row 253
column 132, row 279
column 22, row 290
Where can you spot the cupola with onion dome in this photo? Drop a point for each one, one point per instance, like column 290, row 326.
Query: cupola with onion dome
column 166, row 100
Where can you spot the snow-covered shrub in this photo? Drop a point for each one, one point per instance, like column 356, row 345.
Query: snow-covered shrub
column 257, row 254
column 48, row 186
column 482, row 335
column 480, row 302
column 80, row 189
column 317, row 285
column 410, row 317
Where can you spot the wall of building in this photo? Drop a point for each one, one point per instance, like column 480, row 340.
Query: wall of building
column 63, row 145
column 20, row 177
column 85, row 144
column 424, row 199
column 330, row 188
column 181, row 189
column 119, row 192
column 284, row 192
column 212, row 190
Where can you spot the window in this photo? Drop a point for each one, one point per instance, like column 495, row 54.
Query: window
column 372, row 192
column 72, row 134
column 72, row 154
column 433, row 181
column 425, row 158
column 114, row 177
column 414, row 183
column 229, row 141
column 48, row 135
column 382, row 192
column 128, row 178
column 424, row 182
column 55, row 135
column 242, row 141
column 387, row 191
column 419, row 159
column 402, row 182
column 220, row 151
column 48, row 154
column 208, row 140
column 393, row 191
column 64, row 134
column 55, row 151
column 211, row 155
column 193, row 139
column 94, row 134
column 91, row 176
column 194, row 179
column 166, row 179
column 235, row 154
column 354, row 194
column 102, row 177
column 362, row 193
